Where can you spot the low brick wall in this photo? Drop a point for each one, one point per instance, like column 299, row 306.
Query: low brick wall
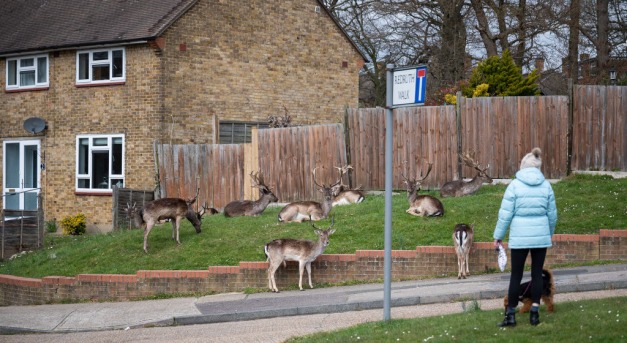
column 364, row 265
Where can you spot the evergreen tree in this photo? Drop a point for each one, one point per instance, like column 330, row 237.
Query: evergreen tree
column 503, row 77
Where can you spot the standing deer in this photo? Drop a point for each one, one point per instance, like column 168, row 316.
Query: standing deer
column 304, row 251
column 248, row 207
column 459, row 188
column 422, row 205
column 342, row 195
column 309, row 210
column 463, row 238
column 174, row 209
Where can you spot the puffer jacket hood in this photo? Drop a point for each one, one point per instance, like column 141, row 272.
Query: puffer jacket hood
column 530, row 176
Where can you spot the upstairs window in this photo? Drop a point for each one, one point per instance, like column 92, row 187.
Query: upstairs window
column 100, row 66
column 99, row 162
column 27, row 72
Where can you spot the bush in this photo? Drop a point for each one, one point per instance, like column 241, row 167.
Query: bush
column 51, row 226
column 74, row 225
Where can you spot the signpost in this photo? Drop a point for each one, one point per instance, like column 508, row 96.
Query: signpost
column 404, row 87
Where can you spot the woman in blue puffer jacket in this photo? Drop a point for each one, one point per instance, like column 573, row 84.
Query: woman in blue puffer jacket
column 528, row 210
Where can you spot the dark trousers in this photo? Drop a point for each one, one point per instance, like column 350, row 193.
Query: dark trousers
column 518, row 257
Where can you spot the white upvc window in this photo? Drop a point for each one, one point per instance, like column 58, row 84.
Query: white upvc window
column 99, row 162
column 27, row 72
column 100, row 66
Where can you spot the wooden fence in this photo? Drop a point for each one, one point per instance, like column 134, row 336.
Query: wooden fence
column 599, row 127
column 500, row 129
column 22, row 230
column 285, row 156
column 122, row 197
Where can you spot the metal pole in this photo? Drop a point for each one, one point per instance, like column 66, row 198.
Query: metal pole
column 387, row 257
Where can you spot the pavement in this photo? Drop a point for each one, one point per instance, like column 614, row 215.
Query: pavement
column 236, row 307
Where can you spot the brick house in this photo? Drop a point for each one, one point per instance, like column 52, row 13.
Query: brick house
column 89, row 86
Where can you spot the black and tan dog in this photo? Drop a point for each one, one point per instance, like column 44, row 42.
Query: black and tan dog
column 524, row 295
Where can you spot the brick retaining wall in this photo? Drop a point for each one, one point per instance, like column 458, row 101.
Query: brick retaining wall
column 364, row 265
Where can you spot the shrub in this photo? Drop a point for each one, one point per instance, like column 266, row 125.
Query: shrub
column 51, row 226
column 74, row 225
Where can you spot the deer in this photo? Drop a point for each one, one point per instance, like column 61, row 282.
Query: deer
column 300, row 211
column 459, row 188
column 342, row 195
column 174, row 209
column 462, row 238
column 248, row 207
column 422, row 205
column 304, row 251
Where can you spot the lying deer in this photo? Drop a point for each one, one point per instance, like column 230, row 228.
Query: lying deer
column 459, row 188
column 342, row 194
column 304, row 251
column 462, row 238
column 309, row 210
column 422, row 205
column 174, row 209
column 248, row 207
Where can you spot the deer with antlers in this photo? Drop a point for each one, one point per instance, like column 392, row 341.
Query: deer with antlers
column 422, row 205
column 304, row 251
column 460, row 188
column 310, row 210
column 174, row 209
column 462, row 239
column 342, row 194
column 249, row 207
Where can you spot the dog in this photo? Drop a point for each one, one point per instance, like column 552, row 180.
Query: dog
column 524, row 295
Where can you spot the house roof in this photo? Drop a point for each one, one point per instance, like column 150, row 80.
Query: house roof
column 42, row 25
column 39, row 25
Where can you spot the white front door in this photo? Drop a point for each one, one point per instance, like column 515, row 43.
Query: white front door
column 21, row 180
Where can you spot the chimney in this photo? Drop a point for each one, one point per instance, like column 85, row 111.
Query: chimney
column 566, row 67
column 540, row 64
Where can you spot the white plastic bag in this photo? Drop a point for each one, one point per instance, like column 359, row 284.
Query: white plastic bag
column 502, row 259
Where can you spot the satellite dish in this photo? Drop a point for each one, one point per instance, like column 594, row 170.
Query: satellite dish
column 34, row 125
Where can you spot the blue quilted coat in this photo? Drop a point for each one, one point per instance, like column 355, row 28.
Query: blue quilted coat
column 528, row 210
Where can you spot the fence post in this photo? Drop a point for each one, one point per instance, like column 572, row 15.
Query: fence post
column 347, row 146
column 458, row 120
column 569, row 133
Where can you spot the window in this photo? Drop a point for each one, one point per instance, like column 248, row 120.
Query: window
column 100, row 66
column 234, row 132
column 99, row 162
column 27, row 72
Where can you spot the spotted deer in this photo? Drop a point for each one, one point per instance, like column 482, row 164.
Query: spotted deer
column 300, row 211
column 342, row 194
column 248, row 207
column 422, row 205
column 304, row 251
column 459, row 188
column 462, row 238
column 174, row 209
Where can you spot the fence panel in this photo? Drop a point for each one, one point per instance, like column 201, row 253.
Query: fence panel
column 123, row 197
column 599, row 126
column 287, row 157
column 503, row 129
column 215, row 170
column 21, row 230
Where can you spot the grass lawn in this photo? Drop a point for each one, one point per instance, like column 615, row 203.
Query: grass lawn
column 585, row 205
column 601, row 320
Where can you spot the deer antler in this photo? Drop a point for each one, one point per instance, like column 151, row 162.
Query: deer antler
column 323, row 186
column 469, row 159
column 317, row 228
column 428, row 172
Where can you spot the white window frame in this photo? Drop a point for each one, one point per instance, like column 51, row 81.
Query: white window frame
column 93, row 185
column 20, row 69
column 91, row 64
